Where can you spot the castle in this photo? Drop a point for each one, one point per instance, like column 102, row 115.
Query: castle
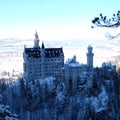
column 40, row 62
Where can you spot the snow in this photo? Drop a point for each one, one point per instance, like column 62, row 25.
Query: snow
column 49, row 81
column 4, row 110
column 11, row 59
column 73, row 64
column 106, row 64
column 101, row 101
column 11, row 51
column 10, row 118
column 60, row 96
column 100, row 109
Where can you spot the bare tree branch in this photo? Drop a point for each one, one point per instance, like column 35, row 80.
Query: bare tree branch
column 108, row 35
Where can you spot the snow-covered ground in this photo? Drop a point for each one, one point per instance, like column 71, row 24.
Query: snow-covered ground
column 11, row 51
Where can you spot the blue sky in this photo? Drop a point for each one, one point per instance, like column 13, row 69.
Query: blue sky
column 53, row 19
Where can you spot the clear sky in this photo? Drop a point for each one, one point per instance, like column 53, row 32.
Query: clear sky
column 53, row 19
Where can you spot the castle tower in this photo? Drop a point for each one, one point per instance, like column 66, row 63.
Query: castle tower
column 90, row 56
column 36, row 41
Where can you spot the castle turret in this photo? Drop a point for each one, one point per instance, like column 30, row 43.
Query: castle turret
column 90, row 56
column 36, row 41
column 43, row 46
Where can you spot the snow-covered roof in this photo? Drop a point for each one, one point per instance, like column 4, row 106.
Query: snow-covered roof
column 106, row 64
column 76, row 64
column 73, row 62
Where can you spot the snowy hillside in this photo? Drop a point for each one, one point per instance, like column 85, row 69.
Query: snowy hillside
column 11, row 51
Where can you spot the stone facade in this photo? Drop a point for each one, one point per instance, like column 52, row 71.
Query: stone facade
column 71, row 74
column 41, row 62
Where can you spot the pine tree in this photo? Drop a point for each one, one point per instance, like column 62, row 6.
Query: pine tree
column 5, row 113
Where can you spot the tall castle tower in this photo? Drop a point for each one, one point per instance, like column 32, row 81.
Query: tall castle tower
column 90, row 56
column 36, row 41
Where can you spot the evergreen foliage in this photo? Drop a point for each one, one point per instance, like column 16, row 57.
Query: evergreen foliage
column 48, row 98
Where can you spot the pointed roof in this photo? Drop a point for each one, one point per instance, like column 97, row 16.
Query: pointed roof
column 36, row 41
column 43, row 46
column 36, row 34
